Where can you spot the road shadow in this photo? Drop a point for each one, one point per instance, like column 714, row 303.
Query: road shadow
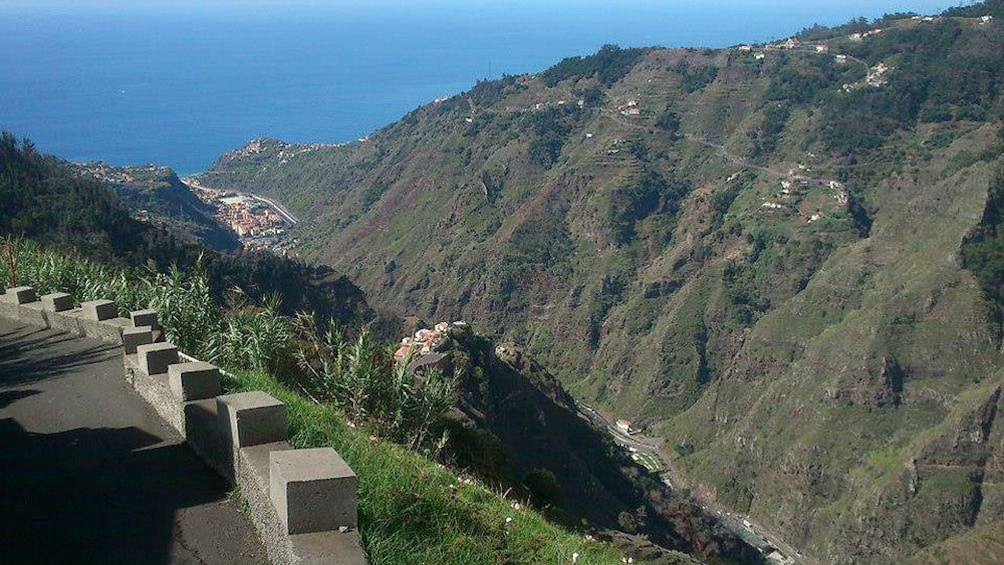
column 8, row 397
column 29, row 354
column 96, row 495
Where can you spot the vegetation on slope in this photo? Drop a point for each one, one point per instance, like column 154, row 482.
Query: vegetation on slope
column 608, row 65
column 41, row 198
column 46, row 200
column 517, row 425
column 983, row 249
column 350, row 393
column 762, row 264
column 157, row 194
column 411, row 510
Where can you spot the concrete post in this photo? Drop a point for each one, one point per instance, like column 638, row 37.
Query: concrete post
column 155, row 358
column 313, row 490
column 57, row 302
column 22, row 295
column 134, row 337
column 99, row 310
column 251, row 418
column 144, row 318
column 194, row 381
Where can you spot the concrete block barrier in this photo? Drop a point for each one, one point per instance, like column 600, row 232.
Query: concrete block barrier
column 30, row 313
column 251, row 418
column 99, row 310
column 22, row 295
column 155, row 358
column 57, row 302
column 195, row 381
column 132, row 338
column 156, row 392
column 108, row 330
column 144, row 318
column 313, row 490
column 303, row 502
column 202, row 431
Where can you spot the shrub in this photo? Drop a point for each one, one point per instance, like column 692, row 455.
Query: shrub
column 362, row 379
column 254, row 337
column 543, row 487
column 185, row 308
column 608, row 65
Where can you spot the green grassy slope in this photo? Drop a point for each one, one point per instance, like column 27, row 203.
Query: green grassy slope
column 412, row 510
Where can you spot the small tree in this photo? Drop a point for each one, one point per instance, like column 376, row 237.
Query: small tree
column 362, row 379
column 11, row 251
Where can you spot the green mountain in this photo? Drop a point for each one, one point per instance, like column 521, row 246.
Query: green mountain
column 157, row 194
column 782, row 259
column 45, row 199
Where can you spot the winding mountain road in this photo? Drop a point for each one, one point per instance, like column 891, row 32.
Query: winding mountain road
column 737, row 160
column 279, row 208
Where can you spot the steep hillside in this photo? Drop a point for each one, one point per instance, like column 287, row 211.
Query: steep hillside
column 44, row 199
column 755, row 253
column 157, row 194
column 517, row 425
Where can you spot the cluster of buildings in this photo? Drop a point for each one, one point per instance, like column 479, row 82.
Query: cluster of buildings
column 123, row 175
column 758, row 55
column 790, row 192
column 286, row 151
column 256, row 223
column 249, row 218
column 877, row 77
column 790, row 43
column 865, row 34
column 425, row 340
column 630, row 109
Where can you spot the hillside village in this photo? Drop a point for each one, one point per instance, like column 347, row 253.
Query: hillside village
column 426, row 340
column 122, row 175
column 257, row 224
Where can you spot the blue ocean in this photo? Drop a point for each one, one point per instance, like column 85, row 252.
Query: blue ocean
column 178, row 83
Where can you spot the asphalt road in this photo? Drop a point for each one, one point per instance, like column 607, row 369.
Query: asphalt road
column 90, row 474
column 279, row 208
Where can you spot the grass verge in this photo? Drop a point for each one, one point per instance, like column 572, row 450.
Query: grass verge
column 414, row 511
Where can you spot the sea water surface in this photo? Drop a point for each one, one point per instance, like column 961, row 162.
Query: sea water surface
column 179, row 83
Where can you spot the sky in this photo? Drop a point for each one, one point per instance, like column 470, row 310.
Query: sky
column 265, row 8
column 694, row 23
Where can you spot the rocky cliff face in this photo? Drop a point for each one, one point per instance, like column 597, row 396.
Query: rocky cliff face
column 755, row 253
